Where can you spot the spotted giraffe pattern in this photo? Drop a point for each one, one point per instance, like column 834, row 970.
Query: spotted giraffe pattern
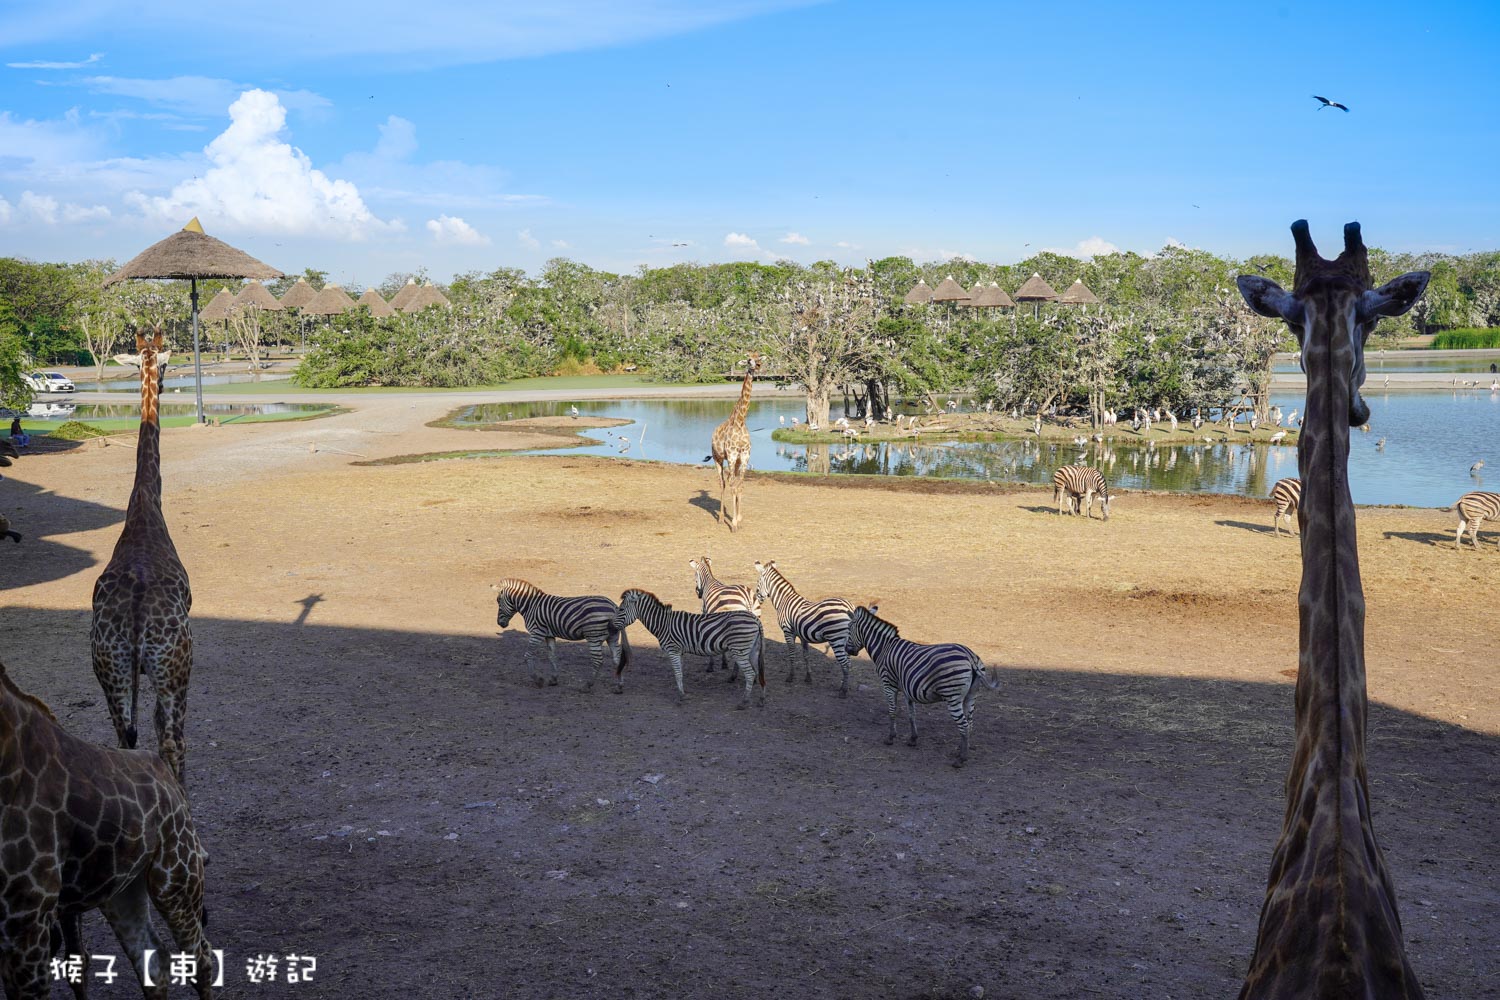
column 731, row 449
column 1329, row 926
column 142, row 599
column 86, row 827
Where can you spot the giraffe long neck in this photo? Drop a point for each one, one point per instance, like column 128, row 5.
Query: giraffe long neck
column 147, row 488
column 1329, row 925
column 742, row 406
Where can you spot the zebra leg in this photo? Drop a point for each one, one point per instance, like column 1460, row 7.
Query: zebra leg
column 1458, row 541
column 552, row 655
column 843, row 658
column 742, row 663
column 533, row 642
column 911, row 717
column 890, row 706
column 676, row 659
column 791, row 645
column 959, row 709
column 806, row 665
column 596, row 654
column 1474, row 532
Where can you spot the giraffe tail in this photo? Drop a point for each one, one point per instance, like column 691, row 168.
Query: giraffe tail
column 708, row 458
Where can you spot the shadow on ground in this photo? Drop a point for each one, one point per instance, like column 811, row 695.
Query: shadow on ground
column 408, row 808
column 1259, row 529
column 37, row 514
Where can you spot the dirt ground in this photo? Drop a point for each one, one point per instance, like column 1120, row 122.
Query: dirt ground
column 381, row 786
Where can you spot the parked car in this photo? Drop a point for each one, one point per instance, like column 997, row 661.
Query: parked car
column 49, row 382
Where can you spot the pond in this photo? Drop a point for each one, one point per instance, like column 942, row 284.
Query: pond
column 59, row 411
column 1394, row 362
column 1430, row 440
column 175, row 382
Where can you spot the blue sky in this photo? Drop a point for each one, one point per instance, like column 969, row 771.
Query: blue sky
column 369, row 138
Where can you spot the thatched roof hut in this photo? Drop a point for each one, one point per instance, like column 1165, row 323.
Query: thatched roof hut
column 920, row 295
column 331, row 301
column 991, row 296
column 949, row 290
column 1078, row 294
column 217, row 310
column 254, row 294
column 425, row 298
column 404, row 294
column 1035, row 290
column 192, row 253
column 299, row 295
column 378, row 306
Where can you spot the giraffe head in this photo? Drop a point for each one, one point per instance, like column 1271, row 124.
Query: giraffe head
column 1334, row 297
column 753, row 361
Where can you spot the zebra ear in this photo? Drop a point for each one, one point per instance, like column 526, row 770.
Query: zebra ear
column 494, row 586
column 874, row 606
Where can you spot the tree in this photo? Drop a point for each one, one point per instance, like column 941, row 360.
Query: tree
column 15, row 394
column 246, row 328
column 98, row 313
column 821, row 336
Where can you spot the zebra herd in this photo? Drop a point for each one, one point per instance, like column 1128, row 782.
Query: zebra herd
column 729, row 629
column 1473, row 510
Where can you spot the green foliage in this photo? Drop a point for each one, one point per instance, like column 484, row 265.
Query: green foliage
column 76, row 430
column 429, row 349
column 1468, row 339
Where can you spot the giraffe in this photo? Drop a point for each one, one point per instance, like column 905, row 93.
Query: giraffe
column 86, row 827
column 142, row 598
column 1328, row 926
column 731, row 447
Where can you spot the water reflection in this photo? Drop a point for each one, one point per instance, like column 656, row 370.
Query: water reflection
column 61, row 411
column 1431, row 440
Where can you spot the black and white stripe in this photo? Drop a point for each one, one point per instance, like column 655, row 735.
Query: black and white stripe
column 942, row 672
column 807, row 621
column 549, row 618
column 1077, row 486
column 1473, row 510
column 736, row 634
column 720, row 596
column 1286, row 495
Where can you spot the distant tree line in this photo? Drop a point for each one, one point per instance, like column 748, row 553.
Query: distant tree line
column 1172, row 331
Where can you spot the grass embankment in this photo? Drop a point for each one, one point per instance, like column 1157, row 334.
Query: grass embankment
column 99, row 426
column 1467, row 339
column 561, row 383
column 989, row 427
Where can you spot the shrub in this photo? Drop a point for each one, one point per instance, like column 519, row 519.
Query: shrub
column 1467, row 339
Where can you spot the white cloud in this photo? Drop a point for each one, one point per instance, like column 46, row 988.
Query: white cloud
column 258, row 183
column 198, row 95
column 45, row 64
column 388, row 173
column 82, row 213
column 796, row 238
column 956, row 255
column 562, row 244
column 1094, row 246
column 528, row 241
column 5, row 211
column 846, row 245
column 38, row 207
column 454, row 230
column 740, row 241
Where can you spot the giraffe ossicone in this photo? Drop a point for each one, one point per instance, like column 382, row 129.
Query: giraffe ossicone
column 1328, row 925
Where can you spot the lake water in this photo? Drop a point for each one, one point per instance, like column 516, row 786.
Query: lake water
column 1476, row 365
column 174, row 382
column 61, row 410
column 1431, row 440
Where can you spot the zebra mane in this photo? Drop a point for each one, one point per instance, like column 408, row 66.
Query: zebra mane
column 514, row 586
column 649, row 596
column 870, row 613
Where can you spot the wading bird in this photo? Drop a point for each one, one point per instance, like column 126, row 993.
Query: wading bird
column 1328, row 104
column 1474, row 469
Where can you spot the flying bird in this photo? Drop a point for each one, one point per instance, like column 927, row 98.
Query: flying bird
column 1328, row 104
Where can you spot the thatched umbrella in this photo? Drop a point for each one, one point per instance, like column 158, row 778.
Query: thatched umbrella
column 255, row 294
column 331, row 301
column 378, row 306
column 217, row 310
column 974, row 294
column 191, row 253
column 949, row 290
column 299, row 295
column 1078, row 294
column 1036, row 291
column 425, row 298
column 404, row 295
column 990, row 296
column 920, row 295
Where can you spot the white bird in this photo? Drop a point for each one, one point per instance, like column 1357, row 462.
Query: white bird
column 1474, row 469
column 1380, row 445
column 795, row 421
column 869, row 421
column 573, row 410
column 783, row 419
column 1276, row 438
column 1495, row 386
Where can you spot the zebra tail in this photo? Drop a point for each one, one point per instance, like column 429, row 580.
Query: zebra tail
column 624, row 652
column 982, row 672
column 760, row 658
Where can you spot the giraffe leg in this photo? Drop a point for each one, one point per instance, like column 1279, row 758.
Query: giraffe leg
column 129, row 915
column 552, row 656
column 676, row 659
column 177, row 892
column 24, row 969
column 890, row 706
column 723, row 488
column 115, row 671
column 71, row 929
column 169, row 662
column 911, row 718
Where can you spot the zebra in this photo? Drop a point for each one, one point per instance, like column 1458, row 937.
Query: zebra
column 1473, row 509
column 1078, row 485
column 808, row 621
column 1286, row 495
column 923, row 673
column 735, row 633
column 550, row 618
column 720, row 596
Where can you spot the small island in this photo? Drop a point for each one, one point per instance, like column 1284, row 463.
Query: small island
column 950, row 427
